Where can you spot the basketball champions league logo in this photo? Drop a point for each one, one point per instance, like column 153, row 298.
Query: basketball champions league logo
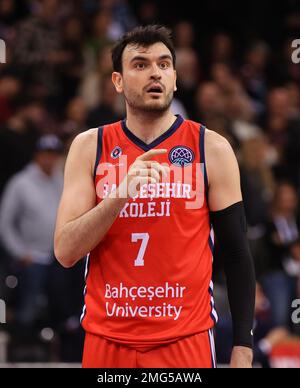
column 181, row 156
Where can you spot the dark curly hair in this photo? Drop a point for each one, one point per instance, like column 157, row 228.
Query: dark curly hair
column 145, row 37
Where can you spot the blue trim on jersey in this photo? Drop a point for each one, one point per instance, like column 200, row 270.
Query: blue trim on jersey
column 146, row 147
column 202, row 158
column 99, row 149
column 211, row 313
column 212, row 348
column 86, row 274
column 211, row 244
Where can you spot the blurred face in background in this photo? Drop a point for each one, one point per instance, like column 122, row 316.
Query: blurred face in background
column 104, row 60
column 77, row 110
column 47, row 161
column 48, row 9
column 286, row 200
column 184, row 34
column 188, row 68
column 222, row 47
column 148, row 79
column 209, row 98
column 278, row 102
column 7, row 7
column 9, row 87
column 254, row 152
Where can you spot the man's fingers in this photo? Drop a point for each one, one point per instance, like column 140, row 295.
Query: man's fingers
column 149, row 172
column 150, row 154
column 155, row 169
column 162, row 168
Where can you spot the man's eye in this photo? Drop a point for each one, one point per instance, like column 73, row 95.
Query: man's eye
column 164, row 65
column 140, row 66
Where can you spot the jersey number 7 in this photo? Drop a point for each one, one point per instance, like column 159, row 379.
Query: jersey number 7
column 139, row 261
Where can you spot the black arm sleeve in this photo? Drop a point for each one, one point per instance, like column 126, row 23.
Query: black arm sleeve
column 230, row 229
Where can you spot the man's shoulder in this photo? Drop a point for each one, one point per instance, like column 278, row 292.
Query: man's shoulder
column 87, row 136
column 83, row 148
column 216, row 145
column 85, row 141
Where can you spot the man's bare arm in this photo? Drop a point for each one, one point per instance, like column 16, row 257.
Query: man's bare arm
column 81, row 223
column 223, row 172
column 227, row 215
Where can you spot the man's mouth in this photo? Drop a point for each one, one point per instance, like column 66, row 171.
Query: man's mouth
column 157, row 89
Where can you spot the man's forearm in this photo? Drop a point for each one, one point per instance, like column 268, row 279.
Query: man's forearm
column 230, row 228
column 78, row 237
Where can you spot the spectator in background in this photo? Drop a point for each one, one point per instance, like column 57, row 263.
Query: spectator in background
column 258, row 185
column 253, row 73
column 222, row 48
column 209, row 101
column 39, row 53
column 188, row 69
column 76, row 118
column 188, row 78
column 72, row 43
column 27, row 219
column 266, row 335
column 283, row 232
column 10, row 14
column 18, row 137
column 91, row 88
column 148, row 12
column 108, row 109
column 184, row 35
column 122, row 17
column 219, row 48
column 283, row 131
column 293, row 90
column 10, row 88
column 99, row 38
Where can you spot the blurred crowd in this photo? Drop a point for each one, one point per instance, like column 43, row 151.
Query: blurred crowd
column 56, row 83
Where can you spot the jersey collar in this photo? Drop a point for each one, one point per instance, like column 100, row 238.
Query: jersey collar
column 146, row 147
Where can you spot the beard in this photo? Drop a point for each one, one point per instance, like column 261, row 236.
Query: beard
column 136, row 102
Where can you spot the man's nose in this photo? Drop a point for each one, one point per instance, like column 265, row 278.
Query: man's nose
column 155, row 72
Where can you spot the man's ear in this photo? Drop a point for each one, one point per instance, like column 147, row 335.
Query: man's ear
column 175, row 81
column 117, row 81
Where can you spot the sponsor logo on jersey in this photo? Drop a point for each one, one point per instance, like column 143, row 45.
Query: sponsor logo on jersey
column 181, row 156
column 116, row 152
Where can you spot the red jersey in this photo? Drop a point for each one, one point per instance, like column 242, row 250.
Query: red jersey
column 148, row 282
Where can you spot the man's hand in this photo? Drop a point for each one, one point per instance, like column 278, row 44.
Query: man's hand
column 144, row 170
column 241, row 357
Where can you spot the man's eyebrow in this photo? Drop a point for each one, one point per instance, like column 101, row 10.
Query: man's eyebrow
column 142, row 58
column 138, row 58
column 166, row 56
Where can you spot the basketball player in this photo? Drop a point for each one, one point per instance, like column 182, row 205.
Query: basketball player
column 149, row 294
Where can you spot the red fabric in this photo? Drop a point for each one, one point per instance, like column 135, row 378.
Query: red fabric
column 190, row 352
column 168, row 297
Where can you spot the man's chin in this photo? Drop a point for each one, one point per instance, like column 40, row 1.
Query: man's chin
column 156, row 106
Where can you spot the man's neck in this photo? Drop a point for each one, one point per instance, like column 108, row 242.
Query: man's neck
column 149, row 126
